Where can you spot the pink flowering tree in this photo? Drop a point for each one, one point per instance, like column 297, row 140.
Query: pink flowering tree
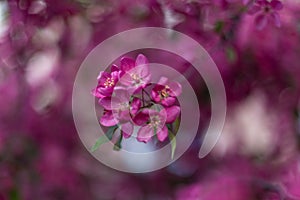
column 255, row 45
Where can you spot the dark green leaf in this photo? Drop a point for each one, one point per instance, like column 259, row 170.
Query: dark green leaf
column 176, row 125
column 14, row 194
column 219, row 26
column 118, row 144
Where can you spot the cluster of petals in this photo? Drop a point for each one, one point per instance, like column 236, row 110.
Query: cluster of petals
column 117, row 91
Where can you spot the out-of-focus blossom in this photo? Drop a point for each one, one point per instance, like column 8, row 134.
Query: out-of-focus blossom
column 266, row 11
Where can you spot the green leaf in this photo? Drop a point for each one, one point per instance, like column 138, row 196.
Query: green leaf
column 118, row 144
column 231, row 54
column 172, row 139
column 14, row 194
column 110, row 132
column 176, row 125
column 104, row 138
column 101, row 140
column 219, row 26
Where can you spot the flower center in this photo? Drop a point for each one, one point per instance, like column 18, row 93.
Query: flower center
column 267, row 9
column 136, row 78
column 123, row 106
column 165, row 92
column 155, row 121
column 109, row 82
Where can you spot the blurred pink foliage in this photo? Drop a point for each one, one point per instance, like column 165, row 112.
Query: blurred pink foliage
column 43, row 43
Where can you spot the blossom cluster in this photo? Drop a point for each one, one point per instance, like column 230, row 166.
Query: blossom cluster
column 255, row 45
column 130, row 99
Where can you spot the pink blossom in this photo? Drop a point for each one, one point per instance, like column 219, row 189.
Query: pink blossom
column 106, row 83
column 155, row 123
column 165, row 92
column 135, row 74
column 120, row 109
column 267, row 11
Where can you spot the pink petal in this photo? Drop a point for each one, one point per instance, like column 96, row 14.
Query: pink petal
column 155, row 95
column 245, row 2
column 122, row 95
column 127, row 129
column 276, row 19
column 141, row 60
column 95, row 92
column 135, row 105
column 262, row 2
column 127, row 64
column 169, row 101
column 144, row 134
column 142, row 117
column 276, row 5
column 102, row 77
column 126, row 79
column 163, row 81
column 141, row 70
column 114, row 68
column 254, row 9
column 172, row 113
column 108, row 119
column 175, row 88
column 162, row 134
column 106, row 103
column 123, row 116
column 106, row 91
column 115, row 75
column 261, row 21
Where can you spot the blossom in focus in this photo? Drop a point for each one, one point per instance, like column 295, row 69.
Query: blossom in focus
column 119, row 109
column 165, row 92
column 106, row 83
column 156, row 123
column 266, row 11
column 135, row 74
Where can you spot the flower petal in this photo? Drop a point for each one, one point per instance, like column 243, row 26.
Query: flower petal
column 253, row 9
column 135, row 105
column 102, row 77
column 127, row 64
column 95, row 92
column 172, row 113
column 163, row 81
column 142, row 117
column 175, row 88
column 108, row 119
column 245, row 2
column 145, row 133
column 126, row 79
column 276, row 19
column 155, row 95
column 141, row 60
column 106, row 103
column 114, row 68
column 261, row 21
column 169, row 101
column 276, row 5
column 127, row 129
column 121, row 95
column 162, row 134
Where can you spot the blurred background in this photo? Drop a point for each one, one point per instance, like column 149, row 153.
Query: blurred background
column 43, row 43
